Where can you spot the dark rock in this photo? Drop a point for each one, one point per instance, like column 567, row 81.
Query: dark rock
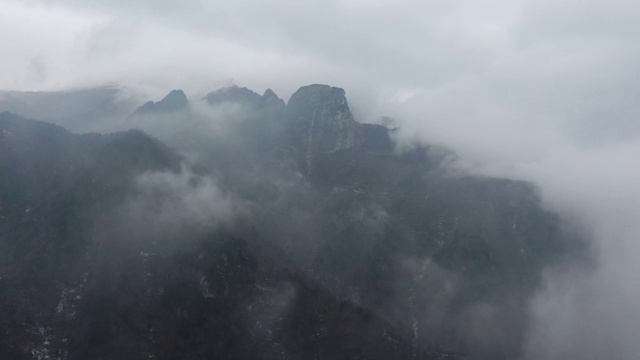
column 370, row 251
column 322, row 119
column 377, row 139
column 320, row 122
column 80, row 278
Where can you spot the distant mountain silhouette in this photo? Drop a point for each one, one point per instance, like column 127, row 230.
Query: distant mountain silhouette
column 82, row 110
column 176, row 100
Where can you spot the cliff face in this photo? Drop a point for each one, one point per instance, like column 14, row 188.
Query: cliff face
column 316, row 120
column 322, row 114
column 320, row 122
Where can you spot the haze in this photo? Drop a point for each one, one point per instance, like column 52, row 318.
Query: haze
column 544, row 91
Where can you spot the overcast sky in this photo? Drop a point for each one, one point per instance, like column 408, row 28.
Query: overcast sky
column 573, row 64
column 541, row 90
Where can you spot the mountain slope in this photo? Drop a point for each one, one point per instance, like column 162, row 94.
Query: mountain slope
column 92, row 267
column 83, row 110
column 450, row 260
column 176, row 100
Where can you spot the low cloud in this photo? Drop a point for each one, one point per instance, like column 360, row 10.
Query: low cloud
column 589, row 177
column 170, row 202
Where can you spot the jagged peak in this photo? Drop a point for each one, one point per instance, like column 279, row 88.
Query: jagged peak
column 271, row 101
column 175, row 100
column 269, row 95
column 177, row 94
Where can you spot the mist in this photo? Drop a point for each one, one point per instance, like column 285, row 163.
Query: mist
column 540, row 91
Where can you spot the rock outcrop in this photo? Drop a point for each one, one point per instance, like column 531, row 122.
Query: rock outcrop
column 320, row 122
column 320, row 115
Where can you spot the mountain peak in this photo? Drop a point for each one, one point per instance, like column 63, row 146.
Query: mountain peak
column 320, row 121
column 269, row 95
column 311, row 98
column 272, row 101
column 176, row 95
column 234, row 94
column 320, row 93
column 176, row 100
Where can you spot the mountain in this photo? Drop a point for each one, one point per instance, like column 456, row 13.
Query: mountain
column 86, row 274
column 234, row 94
column 176, row 100
column 82, row 110
column 273, row 230
column 270, row 98
column 320, row 121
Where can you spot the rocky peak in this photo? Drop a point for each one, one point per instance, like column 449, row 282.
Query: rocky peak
column 234, row 94
column 319, row 121
column 320, row 117
column 272, row 102
column 176, row 100
column 307, row 99
column 269, row 96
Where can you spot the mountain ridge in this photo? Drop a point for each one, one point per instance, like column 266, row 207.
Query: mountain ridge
column 431, row 255
column 112, row 292
column 175, row 100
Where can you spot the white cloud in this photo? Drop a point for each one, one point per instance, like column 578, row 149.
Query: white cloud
column 172, row 201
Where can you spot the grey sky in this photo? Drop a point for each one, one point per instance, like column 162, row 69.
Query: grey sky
column 542, row 57
column 542, row 90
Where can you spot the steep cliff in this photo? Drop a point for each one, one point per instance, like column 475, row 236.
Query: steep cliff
column 319, row 121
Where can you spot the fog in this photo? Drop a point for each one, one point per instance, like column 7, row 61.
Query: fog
column 542, row 91
column 182, row 199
